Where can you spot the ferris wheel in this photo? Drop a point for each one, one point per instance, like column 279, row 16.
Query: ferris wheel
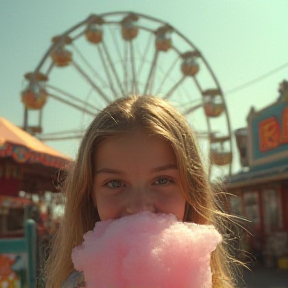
column 117, row 54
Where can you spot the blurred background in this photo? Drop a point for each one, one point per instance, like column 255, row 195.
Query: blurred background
column 221, row 63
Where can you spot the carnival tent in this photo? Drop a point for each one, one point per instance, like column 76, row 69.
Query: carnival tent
column 26, row 163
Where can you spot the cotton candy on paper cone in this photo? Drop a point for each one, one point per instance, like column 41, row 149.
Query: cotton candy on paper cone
column 147, row 250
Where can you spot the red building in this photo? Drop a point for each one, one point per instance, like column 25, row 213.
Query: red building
column 262, row 185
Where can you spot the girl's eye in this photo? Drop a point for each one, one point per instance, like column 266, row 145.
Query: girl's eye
column 114, row 184
column 162, row 181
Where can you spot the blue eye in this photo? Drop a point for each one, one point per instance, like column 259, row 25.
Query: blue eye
column 114, row 184
column 162, row 181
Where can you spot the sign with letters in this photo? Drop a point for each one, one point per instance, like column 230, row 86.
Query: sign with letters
column 268, row 135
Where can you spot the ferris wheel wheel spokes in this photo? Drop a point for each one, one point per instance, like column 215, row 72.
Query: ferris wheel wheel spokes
column 122, row 53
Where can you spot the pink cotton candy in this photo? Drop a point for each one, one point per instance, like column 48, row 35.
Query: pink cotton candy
column 147, row 250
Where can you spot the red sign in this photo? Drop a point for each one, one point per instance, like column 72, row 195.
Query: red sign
column 270, row 133
column 285, row 126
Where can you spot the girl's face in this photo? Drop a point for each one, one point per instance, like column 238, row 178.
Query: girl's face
column 134, row 173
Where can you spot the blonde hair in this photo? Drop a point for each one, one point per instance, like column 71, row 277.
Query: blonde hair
column 124, row 115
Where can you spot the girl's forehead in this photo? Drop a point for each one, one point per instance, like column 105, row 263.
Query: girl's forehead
column 143, row 133
column 138, row 143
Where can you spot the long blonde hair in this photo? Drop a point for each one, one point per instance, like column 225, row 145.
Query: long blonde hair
column 158, row 117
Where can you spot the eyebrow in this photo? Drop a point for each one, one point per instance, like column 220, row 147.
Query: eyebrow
column 108, row 171
column 165, row 167
column 157, row 169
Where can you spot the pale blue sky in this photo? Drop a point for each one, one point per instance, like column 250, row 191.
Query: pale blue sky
column 240, row 39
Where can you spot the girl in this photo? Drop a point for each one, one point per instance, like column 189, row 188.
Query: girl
column 143, row 152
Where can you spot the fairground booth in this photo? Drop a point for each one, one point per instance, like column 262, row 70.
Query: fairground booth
column 262, row 185
column 29, row 171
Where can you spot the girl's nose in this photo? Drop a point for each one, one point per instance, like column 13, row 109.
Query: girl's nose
column 139, row 201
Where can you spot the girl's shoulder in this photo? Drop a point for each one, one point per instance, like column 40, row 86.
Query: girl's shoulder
column 75, row 280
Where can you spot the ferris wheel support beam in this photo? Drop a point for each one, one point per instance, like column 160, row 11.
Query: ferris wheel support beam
column 117, row 45
column 106, row 71
column 112, row 68
column 25, row 122
column 71, row 104
column 134, row 85
column 74, row 98
column 105, row 97
column 152, row 68
column 89, row 65
column 143, row 56
column 152, row 78
column 125, row 68
column 133, row 82
column 174, row 87
column 60, row 138
column 50, row 68
column 192, row 109
column 166, row 75
column 62, row 135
